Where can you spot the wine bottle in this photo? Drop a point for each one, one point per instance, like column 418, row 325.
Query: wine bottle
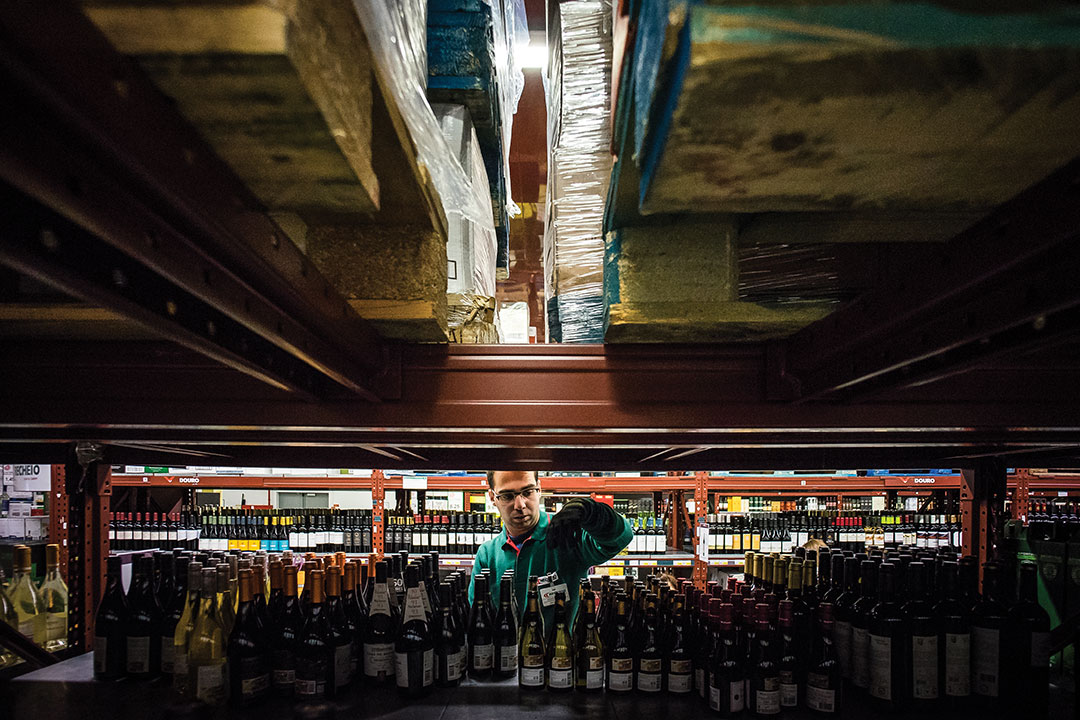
column 988, row 621
column 792, row 672
column 954, row 640
column 886, row 646
column 449, row 641
column 824, row 677
column 532, row 652
column 481, row 633
column 649, row 653
column 9, row 616
column 922, row 640
column 727, row 676
column 288, row 625
column 276, row 601
column 560, row 652
column 315, row 650
column 1027, row 642
column 380, row 631
column 678, row 660
column 185, row 624
column 24, row 596
column 206, row 647
column 842, row 609
column 341, row 638
column 588, row 649
column 355, row 616
column 248, row 649
column 707, row 640
column 414, row 654
column 764, row 675
column 143, row 629
column 110, row 621
column 53, row 595
column 860, row 625
column 172, row 610
column 505, row 663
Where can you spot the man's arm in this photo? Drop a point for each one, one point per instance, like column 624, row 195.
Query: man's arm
column 589, row 529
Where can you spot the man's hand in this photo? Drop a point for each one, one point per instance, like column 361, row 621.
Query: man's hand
column 564, row 528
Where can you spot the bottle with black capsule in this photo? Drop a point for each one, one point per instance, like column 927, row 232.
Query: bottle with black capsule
column 144, row 623
column 1027, row 644
column 620, row 659
column 288, row 627
column 414, row 650
column 532, row 651
column 588, row 649
column 886, row 649
column 560, row 653
column 506, row 632
column 860, row 625
column 988, row 624
column 380, row 631
column 449, row 640
column 921, row 642
column 110, row 621
column 481, row 632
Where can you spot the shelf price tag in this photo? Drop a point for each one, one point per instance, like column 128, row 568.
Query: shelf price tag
column 703, row 542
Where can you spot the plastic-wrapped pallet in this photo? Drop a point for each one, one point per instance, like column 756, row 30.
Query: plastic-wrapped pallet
column 470, row 246
column 579, row 166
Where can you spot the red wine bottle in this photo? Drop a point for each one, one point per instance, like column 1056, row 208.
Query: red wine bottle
column 1027, row 643
column 988, row 622
column 110, row 624
column 380, row 631
column 860, row 625
column 792, row 670
column 922, row 641
column 481, row 634
column 143, row 628
column 824, row 676
column 764, row 675
column 449, row 642
column 954, row 640
column 314, row 651
column 288, row 627
column 727, row 675
column 678, row 665
column 414, row 650
column 886, row 647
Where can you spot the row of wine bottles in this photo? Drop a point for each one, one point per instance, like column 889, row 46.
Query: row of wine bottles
column 784, row 532
column 1054, row 520
column 318, row 531
column 650, row 536
column 37, row 610
column 909, row 629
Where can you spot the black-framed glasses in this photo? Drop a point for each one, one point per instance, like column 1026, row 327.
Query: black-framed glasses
column 508, row 496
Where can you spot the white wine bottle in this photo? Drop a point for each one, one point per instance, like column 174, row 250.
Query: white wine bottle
column 24, row 596
column 184, row 627
column 206, row 648
column 560, row 655
column 531, row 651
column 9, row 616
column 588, row 648
column 53, row 596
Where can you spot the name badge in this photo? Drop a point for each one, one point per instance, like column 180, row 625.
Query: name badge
column 547, row 586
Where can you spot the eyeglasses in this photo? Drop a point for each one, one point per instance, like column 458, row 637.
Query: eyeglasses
column 508, row 496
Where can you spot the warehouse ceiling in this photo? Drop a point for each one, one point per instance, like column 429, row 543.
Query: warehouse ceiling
column 152, row 305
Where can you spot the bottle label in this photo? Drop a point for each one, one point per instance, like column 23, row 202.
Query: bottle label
column 957, row 664
column 210, row 683
column 1040, row 649
column 101, row 651
column 507, row 658
column 253, row 687
column 310, row 688
column 560, row 678
column 650, row 666
column 648, row 681
column 284, row 678
column 678, row 683
column 168, row 655
column 343, row 665
column 378, row 660
column 924, row 667
column 180, row 664
column 699, row 680
column 881, row 667
column 842, row 643
column 380, row 601
column 414, row 606
column 622, row 665
column 789, row 689
column 531, row 676
column 56, row 626
column 767, row 701
column 532, row 661
column 138, row 655
column 860, row 662
column 985, row 642
column 562, row 663
column 619, row 680
column 455, row 664
column 427, row 668
column 482, row 656
column 819, row 698
column 26, row 627
column 594, row 679
column 680, row 667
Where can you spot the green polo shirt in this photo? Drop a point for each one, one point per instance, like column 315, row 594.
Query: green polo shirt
column 537, row 558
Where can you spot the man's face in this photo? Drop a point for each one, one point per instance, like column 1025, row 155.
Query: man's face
column 521, row 513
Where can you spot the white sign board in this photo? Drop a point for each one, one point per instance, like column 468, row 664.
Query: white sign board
column 32, row 478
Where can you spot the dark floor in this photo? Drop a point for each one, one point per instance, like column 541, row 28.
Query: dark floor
column 67, row 691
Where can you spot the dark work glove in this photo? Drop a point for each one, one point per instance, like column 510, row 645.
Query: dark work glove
column 564, row 528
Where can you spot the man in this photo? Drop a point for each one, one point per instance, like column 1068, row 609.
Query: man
column 559, row 549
